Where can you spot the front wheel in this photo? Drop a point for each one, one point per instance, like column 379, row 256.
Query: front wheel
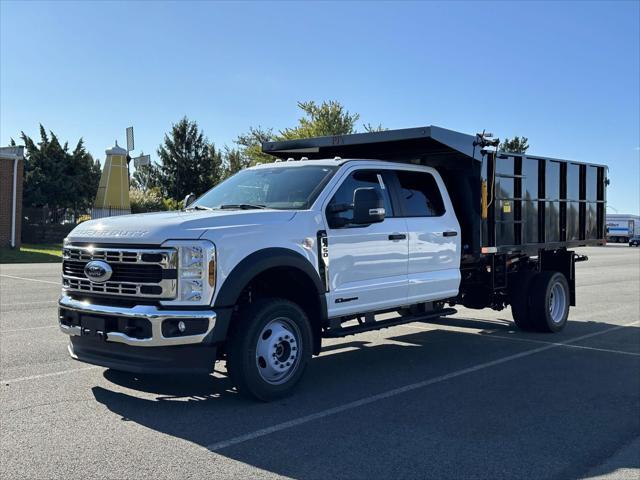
column 269, row 348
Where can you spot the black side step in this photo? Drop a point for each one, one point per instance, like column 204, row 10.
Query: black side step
column 365, row 327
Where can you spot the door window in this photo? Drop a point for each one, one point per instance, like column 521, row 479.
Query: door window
column 343, row 198
column 419, row 194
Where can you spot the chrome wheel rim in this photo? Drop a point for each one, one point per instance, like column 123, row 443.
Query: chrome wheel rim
column 278, row 351
column 557, row 303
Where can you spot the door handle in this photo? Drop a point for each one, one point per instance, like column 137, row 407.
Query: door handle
column 449, row 234
column 397, row 236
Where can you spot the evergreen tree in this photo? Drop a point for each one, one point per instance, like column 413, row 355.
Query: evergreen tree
column 250, row 149
column 515, row 145
column 373, row 128
column 188, row 162
column 234, row 161
column 57, row 178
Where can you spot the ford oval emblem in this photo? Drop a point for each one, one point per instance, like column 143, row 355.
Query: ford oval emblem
column 98, row 271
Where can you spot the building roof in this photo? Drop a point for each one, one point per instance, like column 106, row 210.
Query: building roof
column 12, row 153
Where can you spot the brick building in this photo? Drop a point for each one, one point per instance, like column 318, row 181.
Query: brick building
column 11, row 177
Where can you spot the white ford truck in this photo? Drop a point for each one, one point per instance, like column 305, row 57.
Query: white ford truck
column 337, row 230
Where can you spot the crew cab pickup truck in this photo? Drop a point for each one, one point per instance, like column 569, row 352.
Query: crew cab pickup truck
column 316, row 244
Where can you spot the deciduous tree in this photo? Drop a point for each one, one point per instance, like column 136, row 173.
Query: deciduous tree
column 318, row 120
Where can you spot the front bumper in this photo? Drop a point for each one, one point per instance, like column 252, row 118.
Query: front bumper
column 184, row 354
column 150, row 313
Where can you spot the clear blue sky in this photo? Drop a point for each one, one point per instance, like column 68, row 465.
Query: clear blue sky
column 567, row 75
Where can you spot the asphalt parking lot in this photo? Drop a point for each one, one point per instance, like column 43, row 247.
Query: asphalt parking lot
column 468, row 397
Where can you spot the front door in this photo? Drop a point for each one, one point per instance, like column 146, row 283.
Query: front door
column 367, row 264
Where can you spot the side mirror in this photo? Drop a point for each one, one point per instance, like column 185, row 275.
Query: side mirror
column 188, row 200
column 368, row 206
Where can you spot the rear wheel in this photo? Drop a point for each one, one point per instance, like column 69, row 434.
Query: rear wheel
column 269, row 348
column 550, row 299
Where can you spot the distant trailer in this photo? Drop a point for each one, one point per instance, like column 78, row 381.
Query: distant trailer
column 621, row 227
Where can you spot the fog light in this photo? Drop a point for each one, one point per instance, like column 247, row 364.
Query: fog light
column 181, row 326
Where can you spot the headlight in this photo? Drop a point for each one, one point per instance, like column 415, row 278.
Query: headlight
column 196, row 266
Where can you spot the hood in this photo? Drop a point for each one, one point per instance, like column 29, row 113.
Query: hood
column 155, row 228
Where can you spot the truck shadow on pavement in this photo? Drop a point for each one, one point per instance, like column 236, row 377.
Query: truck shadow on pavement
column 556, row 413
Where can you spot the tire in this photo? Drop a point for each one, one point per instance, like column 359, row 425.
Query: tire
column 549, row 300
column 519, row 289
column 269, row 334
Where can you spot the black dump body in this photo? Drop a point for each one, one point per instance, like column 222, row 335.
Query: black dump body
column 506, row 203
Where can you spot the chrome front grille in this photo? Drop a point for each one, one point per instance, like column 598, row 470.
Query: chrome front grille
column 148, row 273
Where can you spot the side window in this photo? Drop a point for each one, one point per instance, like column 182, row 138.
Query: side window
column 344, row 195
column 420, row 194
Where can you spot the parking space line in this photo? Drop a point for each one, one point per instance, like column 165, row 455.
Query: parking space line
column 396, row 391
column 31, row 279
column 45, row 375
column 528, row 340
column 531, row 340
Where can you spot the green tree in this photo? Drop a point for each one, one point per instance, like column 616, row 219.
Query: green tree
column 56, row 177
column 373, row 128
column 234, row 161
column 515, row 145
column 328, row 118
column 146, row 177
column 188, row 162
column 250, row 148
column 318, row 120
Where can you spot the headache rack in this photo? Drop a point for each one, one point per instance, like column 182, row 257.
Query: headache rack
column 505, row 202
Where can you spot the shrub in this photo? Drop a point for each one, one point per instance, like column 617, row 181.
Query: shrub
column 146, row 201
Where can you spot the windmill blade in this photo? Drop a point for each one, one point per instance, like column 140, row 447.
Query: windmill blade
column 142, row 161
column 130, row 142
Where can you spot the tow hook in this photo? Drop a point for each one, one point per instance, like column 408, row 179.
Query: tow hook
column 580, row 258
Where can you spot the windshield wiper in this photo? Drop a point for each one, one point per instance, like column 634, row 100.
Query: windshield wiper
column 198, row 207
column 242, row 206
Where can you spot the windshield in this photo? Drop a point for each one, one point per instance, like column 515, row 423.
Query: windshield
column 285, row 188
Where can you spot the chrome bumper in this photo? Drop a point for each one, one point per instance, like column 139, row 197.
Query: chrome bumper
column 153, row 314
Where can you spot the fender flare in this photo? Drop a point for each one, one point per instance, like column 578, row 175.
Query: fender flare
column 261, row 261
column 257, row 263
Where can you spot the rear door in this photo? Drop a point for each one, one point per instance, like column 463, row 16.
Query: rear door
column 367, row 264
column 433, row 232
